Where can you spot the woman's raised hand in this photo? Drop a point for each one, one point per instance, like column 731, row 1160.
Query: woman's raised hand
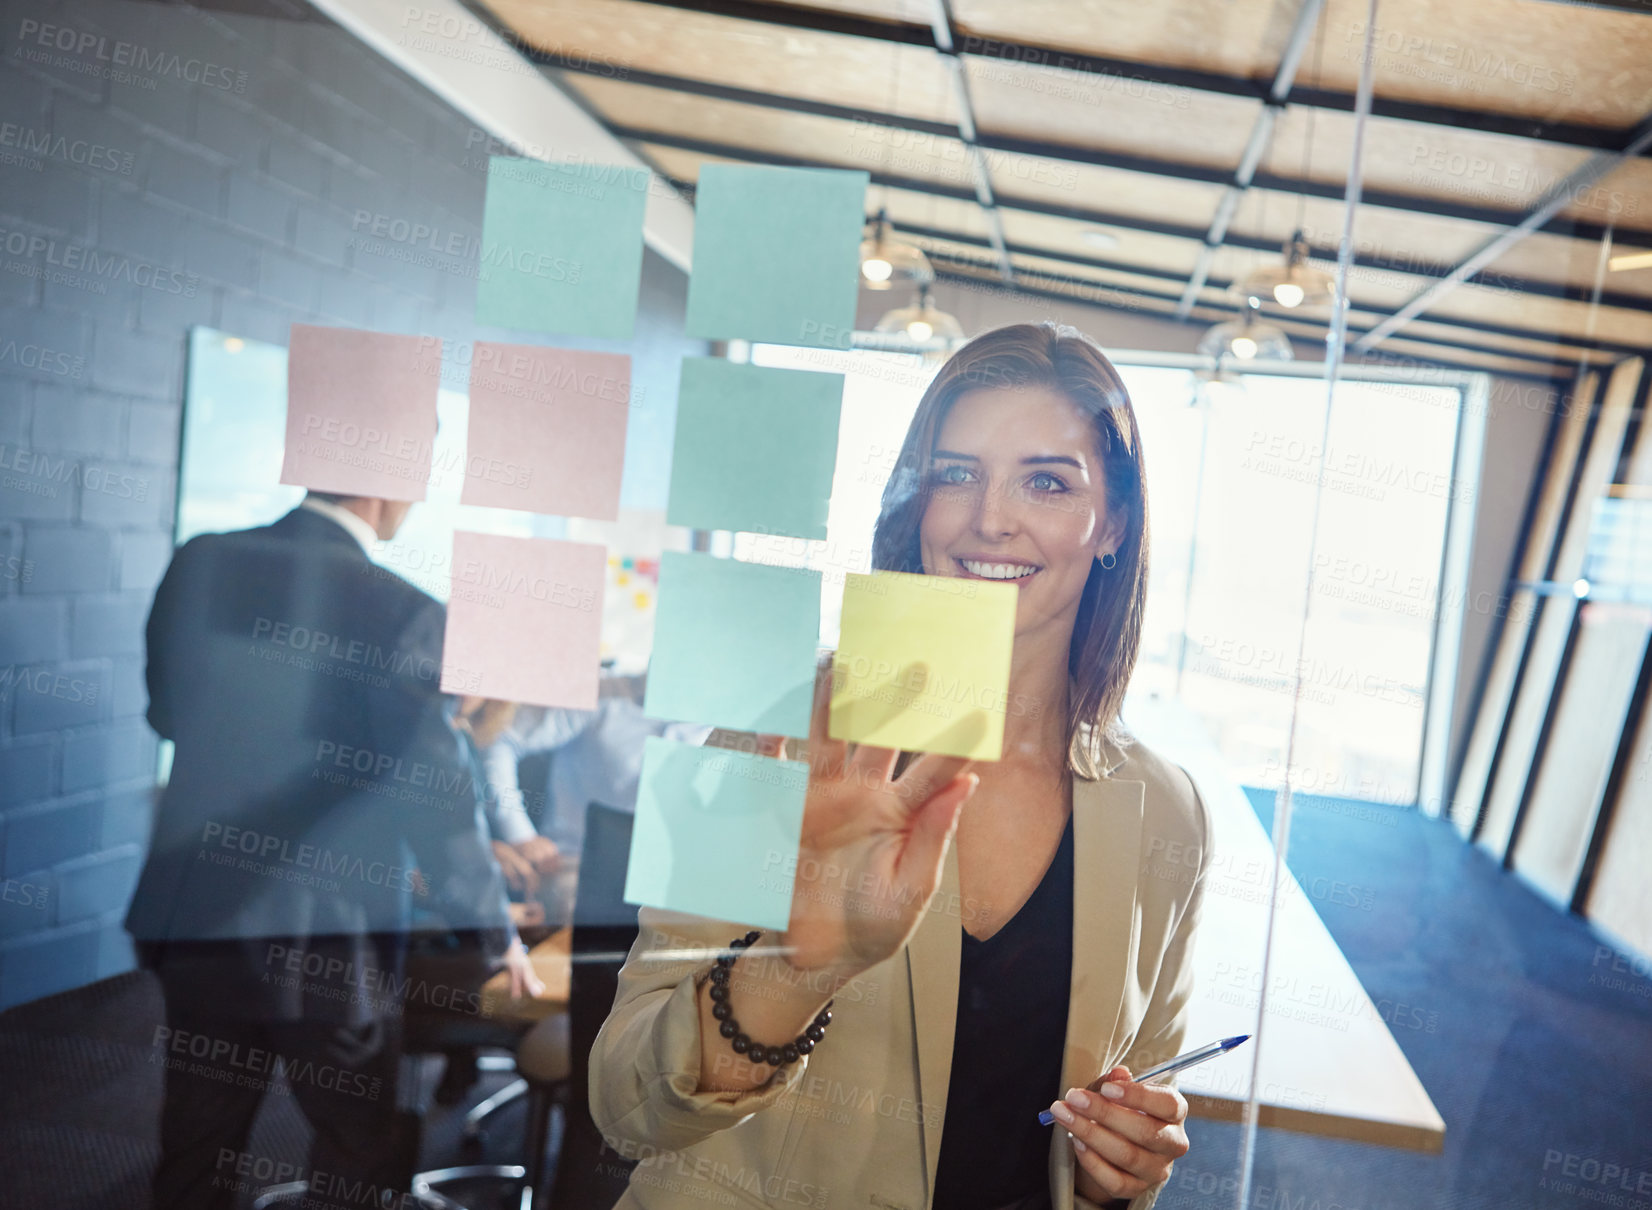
column 872, row 847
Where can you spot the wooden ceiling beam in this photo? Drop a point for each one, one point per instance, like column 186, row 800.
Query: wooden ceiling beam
column 1407, row 265
column 1553, row 200
column 1569, row 134
column 1256, row 147
column 1410, row 203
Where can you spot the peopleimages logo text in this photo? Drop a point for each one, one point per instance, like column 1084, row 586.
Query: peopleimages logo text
column 321, row 644
column 87, row 44
column 56, row 147
column 107, row 266
column 65, row 472
column 275, row 851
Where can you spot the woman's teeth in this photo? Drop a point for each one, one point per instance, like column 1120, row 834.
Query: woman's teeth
column 998, row 571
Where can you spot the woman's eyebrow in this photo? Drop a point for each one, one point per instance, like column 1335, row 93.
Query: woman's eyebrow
column 1034, row 460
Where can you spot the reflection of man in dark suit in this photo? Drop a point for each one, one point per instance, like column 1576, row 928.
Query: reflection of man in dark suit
column 317, row 793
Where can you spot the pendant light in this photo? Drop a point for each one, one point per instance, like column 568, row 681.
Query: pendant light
column 1248, row 338
column 922, row 323
column 1295, row 283
column 886, row 262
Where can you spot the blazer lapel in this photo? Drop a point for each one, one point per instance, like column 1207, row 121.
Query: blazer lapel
column 1107, row 839
column 932, row 957
column 1107, row 836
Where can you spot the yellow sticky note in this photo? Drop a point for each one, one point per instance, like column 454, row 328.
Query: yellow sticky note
column 923, row 663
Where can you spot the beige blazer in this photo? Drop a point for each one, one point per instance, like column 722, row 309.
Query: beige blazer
column 858, row 1123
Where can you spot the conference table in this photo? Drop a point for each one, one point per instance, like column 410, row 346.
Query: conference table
column 1323, row 1060
column 553, row 963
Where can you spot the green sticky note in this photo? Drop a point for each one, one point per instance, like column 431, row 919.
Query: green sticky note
column 755, row 448
column 561, row 247
column 734, row 644
column 716, row 833
column 776, row 254
column 923, row 663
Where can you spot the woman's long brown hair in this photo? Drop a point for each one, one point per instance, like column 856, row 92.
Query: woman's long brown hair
column 1107, row 633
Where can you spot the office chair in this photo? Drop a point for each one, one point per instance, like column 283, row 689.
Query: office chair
column 554, row 1056
column 541, row 1056
column 534, row 774
column 588, row 1174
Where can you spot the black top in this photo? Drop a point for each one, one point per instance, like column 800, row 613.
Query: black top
column 1006, row 1054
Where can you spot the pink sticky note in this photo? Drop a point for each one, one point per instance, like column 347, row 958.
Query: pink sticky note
column 361, row 412
column 547, row 430
column 524, row 620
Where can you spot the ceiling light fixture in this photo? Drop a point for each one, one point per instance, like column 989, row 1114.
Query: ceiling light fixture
column 1296, row 282
column 1292, row 284
column 922, row 323
column 886, row 262
column 1246, row 339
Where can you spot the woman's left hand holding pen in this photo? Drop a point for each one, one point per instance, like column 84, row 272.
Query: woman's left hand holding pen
column 1127, row 1144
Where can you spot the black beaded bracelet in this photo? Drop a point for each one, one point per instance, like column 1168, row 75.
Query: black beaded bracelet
column 730, row 1028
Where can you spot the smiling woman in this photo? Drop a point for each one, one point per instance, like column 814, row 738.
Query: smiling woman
column 1024, row 452
column 1006, row 913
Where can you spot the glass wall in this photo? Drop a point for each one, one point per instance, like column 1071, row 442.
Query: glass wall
column 1377, row 275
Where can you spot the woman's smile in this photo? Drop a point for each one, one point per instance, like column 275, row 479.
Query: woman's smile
column 981, row 567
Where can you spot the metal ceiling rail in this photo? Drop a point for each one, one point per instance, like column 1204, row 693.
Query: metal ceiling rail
column 1553, row 201
column 1611, row 6
column 941, row 27
column 1566, row 344
column 1407, row 265
column 1024, row 287
column 1302, row 323
column 1410, row 203
column 1256, row 147
column 582, row 65
column 831, row 21
column 1564, row 347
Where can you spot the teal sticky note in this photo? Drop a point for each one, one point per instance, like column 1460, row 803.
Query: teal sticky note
column 561, row 247
column 716, row 833
column 734, row 644
column 755, row 448
column 776, row 254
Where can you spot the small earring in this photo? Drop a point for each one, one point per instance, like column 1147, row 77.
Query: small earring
column 1109, row 561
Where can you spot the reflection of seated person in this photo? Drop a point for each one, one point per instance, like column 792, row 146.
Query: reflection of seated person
column 447, row 970
column 523, row 854
column 596, row 756
column 318, row 793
